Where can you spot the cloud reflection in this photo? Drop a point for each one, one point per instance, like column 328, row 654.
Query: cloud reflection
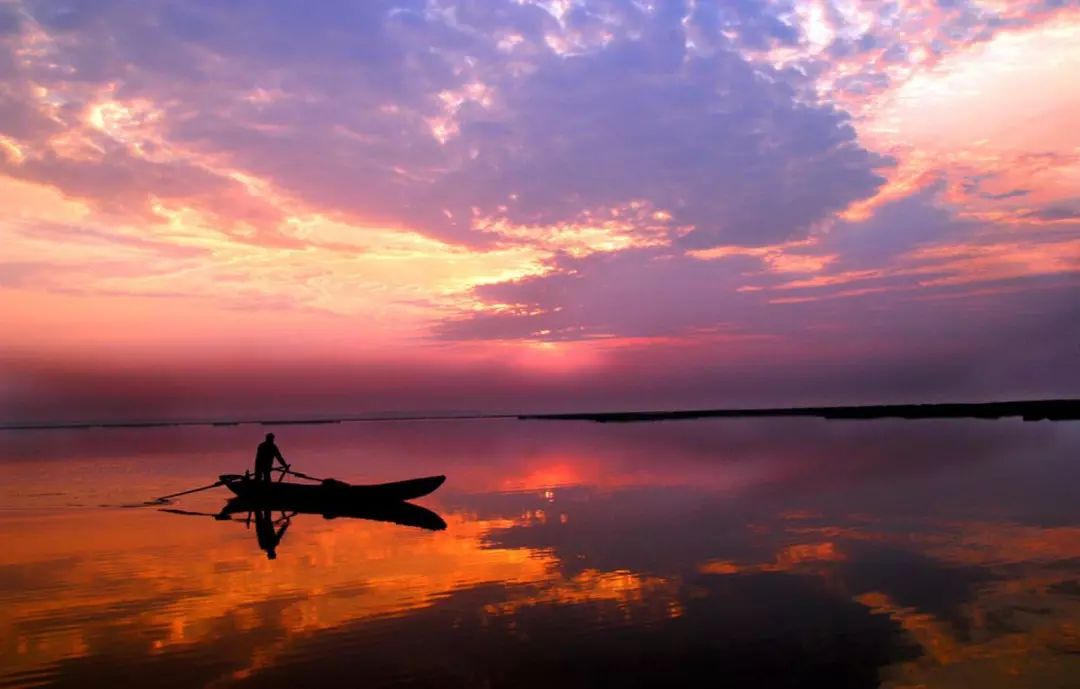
column 926, row 552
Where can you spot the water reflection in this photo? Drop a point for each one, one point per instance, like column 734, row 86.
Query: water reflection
column 774, row 553
column 270, row 530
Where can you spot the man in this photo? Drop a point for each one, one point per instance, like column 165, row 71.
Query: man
column 264, row 458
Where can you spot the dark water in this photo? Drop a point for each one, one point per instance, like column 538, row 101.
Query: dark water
column 730, row 553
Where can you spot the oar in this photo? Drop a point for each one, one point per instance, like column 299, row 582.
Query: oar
column 165, row 498
column 297, row 474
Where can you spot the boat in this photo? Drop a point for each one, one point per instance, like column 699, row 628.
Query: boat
column 331, row 490
column 394, row 512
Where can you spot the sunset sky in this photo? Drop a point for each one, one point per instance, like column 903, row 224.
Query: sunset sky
column 284, row 207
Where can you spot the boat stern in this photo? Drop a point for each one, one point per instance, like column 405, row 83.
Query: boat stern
column 237, row 483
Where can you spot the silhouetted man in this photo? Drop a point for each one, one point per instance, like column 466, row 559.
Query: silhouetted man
column 265, row 455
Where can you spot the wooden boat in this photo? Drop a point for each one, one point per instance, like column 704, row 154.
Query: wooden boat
column 331, row 491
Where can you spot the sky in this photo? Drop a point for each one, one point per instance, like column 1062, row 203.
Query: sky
column 280, row 208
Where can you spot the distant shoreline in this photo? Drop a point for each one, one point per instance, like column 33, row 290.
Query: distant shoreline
column 1028, row 410
column 77, row 425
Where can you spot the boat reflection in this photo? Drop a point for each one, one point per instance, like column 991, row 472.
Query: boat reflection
column 270, row 530
column 401, row 513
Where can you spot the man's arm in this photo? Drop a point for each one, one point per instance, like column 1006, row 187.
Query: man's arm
column 280, row 459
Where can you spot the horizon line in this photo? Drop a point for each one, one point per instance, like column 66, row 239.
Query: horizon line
column 1060, row 409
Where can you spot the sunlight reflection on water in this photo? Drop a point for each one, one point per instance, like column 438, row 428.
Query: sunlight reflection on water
column 780, row 553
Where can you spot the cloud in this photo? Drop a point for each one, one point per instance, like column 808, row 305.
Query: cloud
column 10, row 21
column 755, row 25
column 670, row 185
column 967, row 350
column 641, row 293
column 1055, row 213
column 894, row 230
column 437, row 116
column 709, row 139
column 853, row 51
column 1011, row 194
column 914, row 296
column 658, row 292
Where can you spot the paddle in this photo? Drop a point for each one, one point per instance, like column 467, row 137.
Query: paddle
column 165, row 498
column 297, row 474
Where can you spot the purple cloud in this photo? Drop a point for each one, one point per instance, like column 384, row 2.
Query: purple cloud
column 1055, row 213
column 901, row 313
column 605, row 106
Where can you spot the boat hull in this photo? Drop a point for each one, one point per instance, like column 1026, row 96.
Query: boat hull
column 332, row 491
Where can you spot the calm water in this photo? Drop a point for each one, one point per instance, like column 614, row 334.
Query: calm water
column 756, row 553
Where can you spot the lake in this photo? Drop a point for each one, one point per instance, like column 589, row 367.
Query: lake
column 742, row 553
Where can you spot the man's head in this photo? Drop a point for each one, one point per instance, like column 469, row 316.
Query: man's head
column 269, row 437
